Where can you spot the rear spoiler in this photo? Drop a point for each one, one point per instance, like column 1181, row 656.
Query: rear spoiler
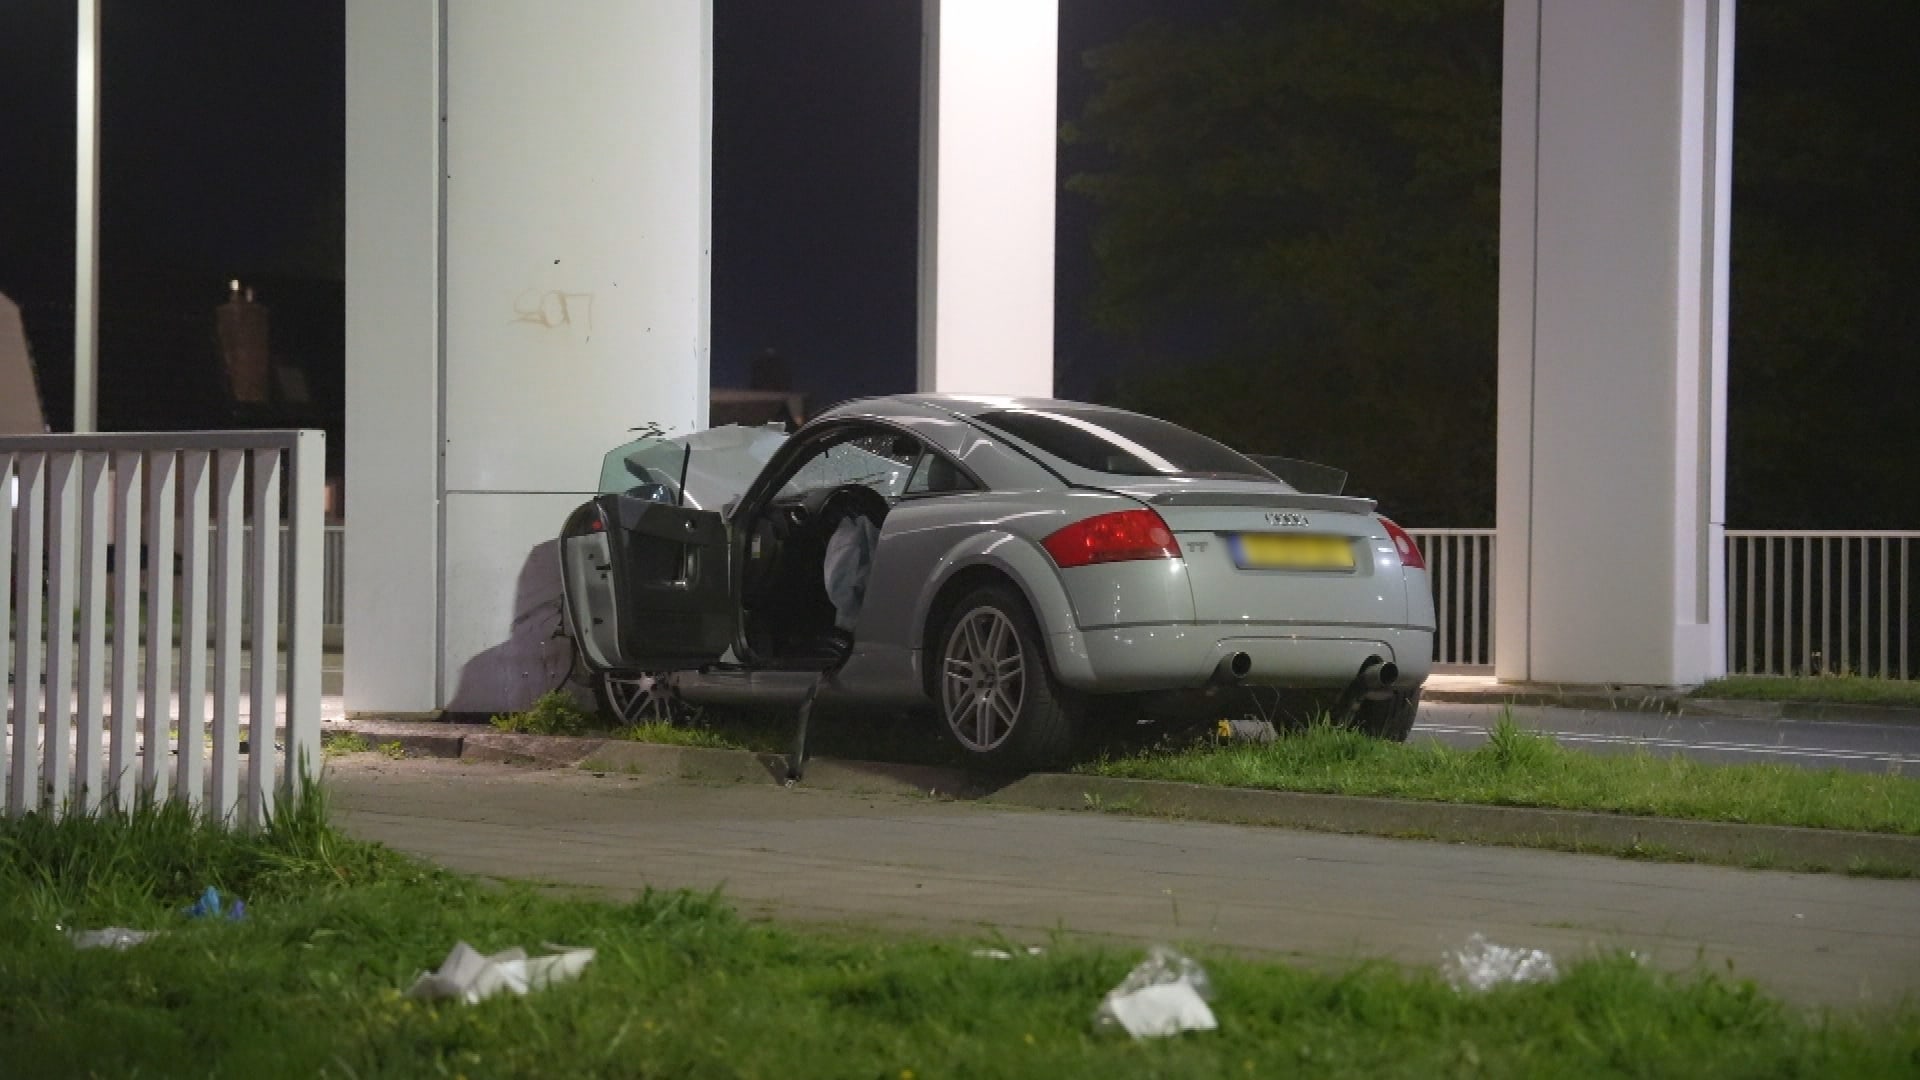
column 1282, row 500
column 1309, row 477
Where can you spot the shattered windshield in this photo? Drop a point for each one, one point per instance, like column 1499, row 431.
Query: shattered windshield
column 703, row 471
column 881, row 462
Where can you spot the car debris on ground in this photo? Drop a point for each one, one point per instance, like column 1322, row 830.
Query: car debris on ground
column 111, row 937
column 1482, row 965
column 471, row 976
column 1166, row 994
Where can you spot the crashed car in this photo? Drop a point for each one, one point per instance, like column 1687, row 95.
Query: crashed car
column 1024, row 566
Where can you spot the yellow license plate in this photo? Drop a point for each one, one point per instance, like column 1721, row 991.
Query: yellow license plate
column 1270, row 551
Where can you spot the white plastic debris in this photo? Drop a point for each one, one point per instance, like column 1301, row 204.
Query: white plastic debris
column 1482, row 965
column 112, row 937
column 1002, row 954
column 1165, row 995
column 472, row 977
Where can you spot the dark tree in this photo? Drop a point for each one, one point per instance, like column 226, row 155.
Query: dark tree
column 1299, row 220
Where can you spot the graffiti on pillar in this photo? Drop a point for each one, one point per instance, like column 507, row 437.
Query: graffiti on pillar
column 554, row 309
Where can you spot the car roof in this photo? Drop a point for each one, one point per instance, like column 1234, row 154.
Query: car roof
column 956, row 404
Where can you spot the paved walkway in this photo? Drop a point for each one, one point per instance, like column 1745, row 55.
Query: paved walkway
column 960, row 867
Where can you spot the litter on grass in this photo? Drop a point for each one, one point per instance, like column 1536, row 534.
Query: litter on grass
column 112, row 937
column 1002, row 954
column 1482, row 965
column 209, row 906
column 472, row 977
column 1166, row 994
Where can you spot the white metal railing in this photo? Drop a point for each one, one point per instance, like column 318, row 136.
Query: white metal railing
column 138, row 715
column 333, row 561
column 333, row 580
column 1814, row 602
column 1460, row 568
column 1797, row 602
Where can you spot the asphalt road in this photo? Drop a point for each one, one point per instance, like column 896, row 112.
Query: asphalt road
column 1823, row 744
column 959, row 867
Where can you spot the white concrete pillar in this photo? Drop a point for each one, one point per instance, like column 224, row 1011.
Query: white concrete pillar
column 989, row 82
column 1615, row 179
column 528, row 223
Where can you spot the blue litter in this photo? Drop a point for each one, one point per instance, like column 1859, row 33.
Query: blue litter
column 210, row 907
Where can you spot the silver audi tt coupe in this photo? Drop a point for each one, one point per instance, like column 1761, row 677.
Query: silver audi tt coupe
column 1026, row 567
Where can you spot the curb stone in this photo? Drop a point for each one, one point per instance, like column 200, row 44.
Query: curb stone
column 1781, row 847
column 1670, row 702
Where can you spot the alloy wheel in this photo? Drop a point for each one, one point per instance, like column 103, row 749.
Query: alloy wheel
column 641, row 699
column 984, row 679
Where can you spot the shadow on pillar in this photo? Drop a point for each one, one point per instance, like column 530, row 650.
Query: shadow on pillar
column 535, row 657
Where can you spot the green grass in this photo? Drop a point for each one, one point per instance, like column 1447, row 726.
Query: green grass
column 1826, row 689
column 343, row 742
column 1519, row 768
column 552, row 713
column 674, row 735
column 311, row 984
column 557, row 713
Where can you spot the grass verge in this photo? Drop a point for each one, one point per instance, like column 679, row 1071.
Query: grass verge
column 1521, row 768
column 552, row 713
column 1822, row 689
column 557, row 713
column 310, row 984
column 675, row 735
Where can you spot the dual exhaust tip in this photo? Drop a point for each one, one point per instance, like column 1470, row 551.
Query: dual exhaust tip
column 1375, row 674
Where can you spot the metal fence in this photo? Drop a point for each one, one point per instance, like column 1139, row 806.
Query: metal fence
column 333, row 586
column 110, row 696
column 1797, row 602
column 1802, row 603
column 1460, row 568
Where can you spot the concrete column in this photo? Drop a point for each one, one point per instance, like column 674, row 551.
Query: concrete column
column 528, row 223
column 393, row 355
column 1615, row 180
column 987, row 180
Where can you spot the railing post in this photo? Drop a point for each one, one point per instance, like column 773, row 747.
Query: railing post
column 230, row 473
column 93, row 630
column 122, row 748
column 263, row 704
column 56, row 776
column 189, row 780
column 29, row 542
column 6, row 623
column 306, row 537
column 156, row 763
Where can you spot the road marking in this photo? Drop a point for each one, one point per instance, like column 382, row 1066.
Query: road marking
column 1683, row 744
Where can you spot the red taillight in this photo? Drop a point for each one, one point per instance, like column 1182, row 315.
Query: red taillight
column 1117, row 537
column 1410, row 556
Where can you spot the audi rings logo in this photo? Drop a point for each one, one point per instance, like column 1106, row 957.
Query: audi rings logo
column 1288, row 521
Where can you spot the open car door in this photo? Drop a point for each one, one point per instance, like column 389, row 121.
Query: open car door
column 644, row 576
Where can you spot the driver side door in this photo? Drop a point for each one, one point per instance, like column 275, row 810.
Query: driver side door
column 644, row 576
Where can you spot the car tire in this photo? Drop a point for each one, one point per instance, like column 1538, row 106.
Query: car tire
column 994, row 687
column 1390, row 718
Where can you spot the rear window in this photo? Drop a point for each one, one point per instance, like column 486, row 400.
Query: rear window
column 1122, row 443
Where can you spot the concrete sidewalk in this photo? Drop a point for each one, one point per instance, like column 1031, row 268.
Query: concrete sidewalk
column 915, row 863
